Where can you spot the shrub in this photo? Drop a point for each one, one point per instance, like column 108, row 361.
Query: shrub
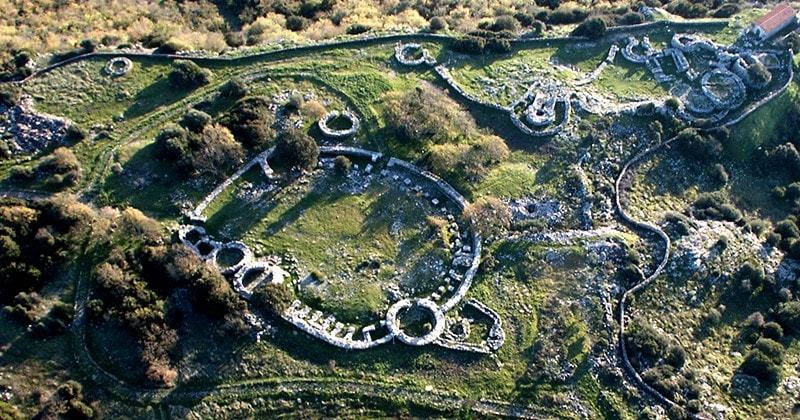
column 645, row 343
column 698, row 147
column 195, row 120
column 761, row 367
column 686, row 9
column 713, row 318
column 437, row 24
column 296, row 23
column 188, row 75
column 715, row 206
column 469, row 45
column 593, row 28
column 74, row 134
column 295, row 102
column 342, row 164
column 88, row 45
column 250, row 121
column 297, row 149
column 566, row 15
column 488, row 215
column 631, row 18
column 173, row 46
column 313, row 109
column 234, row 88
column 504, row 23
column 772, row 330
column 759, row 74
column 272, row 297
column 789, row 316
column 727, row 10
column 676, row 356
column 357, row 29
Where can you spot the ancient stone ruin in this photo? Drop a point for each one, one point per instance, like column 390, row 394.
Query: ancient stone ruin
column 118, row 66
column 327, row 119
column 247, row 273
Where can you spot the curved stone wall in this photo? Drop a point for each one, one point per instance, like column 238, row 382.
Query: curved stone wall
column 466, row 259
column 331, row 132
column 119, row 66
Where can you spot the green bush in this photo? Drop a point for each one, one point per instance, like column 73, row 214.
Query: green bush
column 789, row 316
column 593, row 28
column 195, row 120
column 357, row 29
column 251, row 121
column 234, row 88
column 761, row 367
column 273, row 297
column 187, row 74
column 295, row 148
column 437, row 24
column 342, row 164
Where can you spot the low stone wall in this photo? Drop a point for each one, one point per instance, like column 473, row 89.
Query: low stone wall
column 261, row 159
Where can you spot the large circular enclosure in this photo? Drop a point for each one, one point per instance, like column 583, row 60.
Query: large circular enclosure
column 357, row 240
column 723, row 88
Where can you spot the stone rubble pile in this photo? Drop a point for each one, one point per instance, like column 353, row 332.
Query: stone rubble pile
column 25, row 131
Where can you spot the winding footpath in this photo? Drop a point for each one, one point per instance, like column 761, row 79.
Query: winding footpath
column 648, row 227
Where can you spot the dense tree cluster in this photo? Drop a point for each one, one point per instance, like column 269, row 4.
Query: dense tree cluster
column 427, row 120
column 35, row 239
column 150, row 287
column 200, row 147
column 251, row 122
column 59, row 170
column 662, row 363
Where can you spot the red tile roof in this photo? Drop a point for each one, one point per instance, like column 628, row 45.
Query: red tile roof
column 776, row 18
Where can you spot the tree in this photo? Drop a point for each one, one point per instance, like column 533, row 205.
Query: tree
column 234, row 88
column 762, row 367
column 342, row 164
column 195, row 120
column 297, row 149
column 437, row 24
column 187, row 74
column 273, row 297
column 251, row 121
column 789, row 316
column 758, row 74
column 593, row 28
column 488, row 215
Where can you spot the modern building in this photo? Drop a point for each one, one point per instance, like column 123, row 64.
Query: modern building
column 773, row 22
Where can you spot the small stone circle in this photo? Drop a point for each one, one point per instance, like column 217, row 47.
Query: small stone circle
column 430, row 337
column 403, row 52
column 119, row 66
column 330, row 116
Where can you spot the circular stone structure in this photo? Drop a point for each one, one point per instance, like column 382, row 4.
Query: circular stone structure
column 404, row 54
column 724, row 88
column 442, row 284
column 119, row 66
column 438, row 321
column 327, row 119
